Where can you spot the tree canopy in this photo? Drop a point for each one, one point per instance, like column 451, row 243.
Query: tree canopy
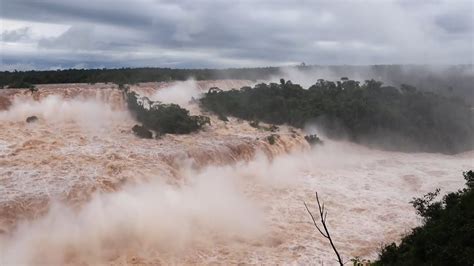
column 163, row 118
column 369, row 113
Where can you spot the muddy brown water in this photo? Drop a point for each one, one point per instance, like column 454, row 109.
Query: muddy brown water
column 78, row 187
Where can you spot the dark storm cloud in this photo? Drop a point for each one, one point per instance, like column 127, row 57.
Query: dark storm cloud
column 208, row 33
column 57, row 11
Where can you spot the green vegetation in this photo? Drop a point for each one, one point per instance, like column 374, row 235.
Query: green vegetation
column 369, row 113
column 446, row 236
column 451, row 81
column 163, row 118
column 131, row 75
column 20, row 84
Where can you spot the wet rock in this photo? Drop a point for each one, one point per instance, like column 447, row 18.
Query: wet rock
column 142, row 132
column 223, row 118
column 31, row 119
column 214, row 90
column 313, row 139
column 272, row 138
column 273, row 128
column 254, row 124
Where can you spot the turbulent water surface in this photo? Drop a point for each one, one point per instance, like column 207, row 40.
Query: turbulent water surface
column 78, row 187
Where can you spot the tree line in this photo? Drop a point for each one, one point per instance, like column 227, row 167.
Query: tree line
column 370, row 113
column 129, row 75
column 453, row 80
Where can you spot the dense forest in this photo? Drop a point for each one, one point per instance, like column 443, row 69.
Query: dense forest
column 447, row 80
column 383, row 116
column 130, row 75
column 446, row 236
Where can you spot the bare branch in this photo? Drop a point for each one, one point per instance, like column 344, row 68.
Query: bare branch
column 319, row 204
column 323, row 215
column 314, row 221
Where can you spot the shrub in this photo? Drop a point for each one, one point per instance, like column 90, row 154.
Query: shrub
column 142, row 132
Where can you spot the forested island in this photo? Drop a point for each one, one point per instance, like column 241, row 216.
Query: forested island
column 370, row 113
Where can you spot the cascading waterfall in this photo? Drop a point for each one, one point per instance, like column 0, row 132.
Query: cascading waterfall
column 222, row 195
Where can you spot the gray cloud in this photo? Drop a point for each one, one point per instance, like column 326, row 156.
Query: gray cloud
column 454, row 23
column 15, row 35
column 75, row 38
column 207, row 33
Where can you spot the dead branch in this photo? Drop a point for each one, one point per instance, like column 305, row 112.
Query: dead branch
column 323, row 215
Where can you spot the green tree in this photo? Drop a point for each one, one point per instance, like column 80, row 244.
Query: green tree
column 446, row 236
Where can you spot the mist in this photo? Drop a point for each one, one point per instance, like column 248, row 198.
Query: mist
column 89, row 114
column 247, row 204
column 436, row 78
column 181, row 93
column 143, row 218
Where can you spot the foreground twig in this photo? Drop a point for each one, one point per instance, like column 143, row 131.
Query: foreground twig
column 323, row 214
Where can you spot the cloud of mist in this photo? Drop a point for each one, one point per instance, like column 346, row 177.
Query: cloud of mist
column 425, row 77
column 213, row 206
column 180, row 92
column 88, row 113
column 305, row 78
column 208, row 206
column 139, row 218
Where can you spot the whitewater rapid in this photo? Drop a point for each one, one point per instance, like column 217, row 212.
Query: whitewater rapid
column 77, row 187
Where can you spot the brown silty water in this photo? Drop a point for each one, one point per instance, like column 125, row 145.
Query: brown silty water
column 78, row 187
column 82, row 142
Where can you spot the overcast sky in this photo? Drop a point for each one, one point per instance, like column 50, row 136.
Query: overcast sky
column 52, row 34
